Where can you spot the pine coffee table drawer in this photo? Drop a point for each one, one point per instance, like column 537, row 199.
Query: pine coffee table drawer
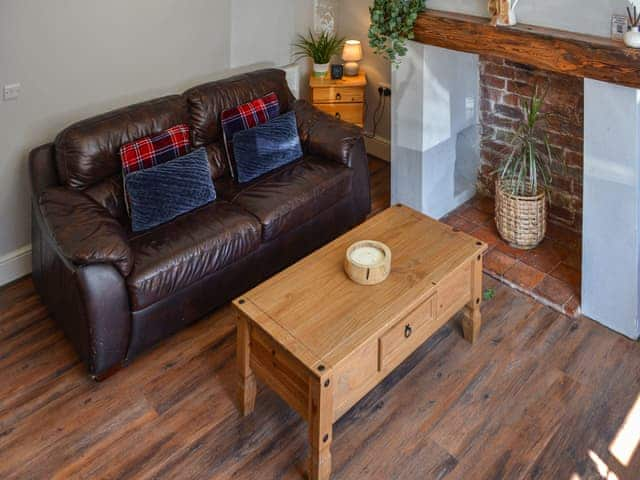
column 406, row 335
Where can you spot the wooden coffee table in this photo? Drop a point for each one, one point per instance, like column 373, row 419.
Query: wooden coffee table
column 323, row 342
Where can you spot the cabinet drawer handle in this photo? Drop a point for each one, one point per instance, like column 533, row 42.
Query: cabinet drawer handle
column 338, row 96
column 408, row 331
column 338, row 116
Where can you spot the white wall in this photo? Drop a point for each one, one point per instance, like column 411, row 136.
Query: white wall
column 262, row 32
column 353, row 23
column 584, row 16
column 77, row 58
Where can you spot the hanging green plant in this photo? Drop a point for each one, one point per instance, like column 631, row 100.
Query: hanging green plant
column 392, row 23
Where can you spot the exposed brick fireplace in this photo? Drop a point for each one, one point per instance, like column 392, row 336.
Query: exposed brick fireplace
column 504, row 85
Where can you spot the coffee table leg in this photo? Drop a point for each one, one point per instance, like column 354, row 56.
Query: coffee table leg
column 320, row 427
column 247, row 379
column 472, row 317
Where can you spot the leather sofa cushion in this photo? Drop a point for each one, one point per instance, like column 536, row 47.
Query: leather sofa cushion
column 217, row 159
column 110, row 194
column 89, row 151
column 174, row 256
column 290, row 196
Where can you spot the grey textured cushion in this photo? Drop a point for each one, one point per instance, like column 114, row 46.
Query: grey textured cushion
column 162, row 193
column 266, row 147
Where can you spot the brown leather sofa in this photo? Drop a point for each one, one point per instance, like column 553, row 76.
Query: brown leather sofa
column 116, row 293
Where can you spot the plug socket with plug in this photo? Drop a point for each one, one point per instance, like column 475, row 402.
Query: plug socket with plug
column 384, row 89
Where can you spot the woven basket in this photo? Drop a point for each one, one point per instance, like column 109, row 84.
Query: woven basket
column 521, row 220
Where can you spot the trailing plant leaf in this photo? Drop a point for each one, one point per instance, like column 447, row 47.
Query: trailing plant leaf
column 320, row 47
column 392, row 23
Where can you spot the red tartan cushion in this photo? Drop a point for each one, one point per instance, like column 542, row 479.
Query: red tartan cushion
column 245, row 116
column 150, row 151
column 249, row 115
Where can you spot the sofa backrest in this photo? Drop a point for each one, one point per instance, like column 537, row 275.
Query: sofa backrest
column 207, row 102
column 87, row 154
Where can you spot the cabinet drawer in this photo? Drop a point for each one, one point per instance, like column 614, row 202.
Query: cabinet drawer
column 349, row 112
column 338, row 95
column 407, row 335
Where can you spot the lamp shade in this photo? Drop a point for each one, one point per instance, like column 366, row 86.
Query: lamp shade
column 352, row 51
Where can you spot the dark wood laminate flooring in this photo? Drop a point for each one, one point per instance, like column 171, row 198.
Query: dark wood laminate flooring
column 540, row 396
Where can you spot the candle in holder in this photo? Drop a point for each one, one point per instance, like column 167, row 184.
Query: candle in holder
column 368, row 262
column 367, row 256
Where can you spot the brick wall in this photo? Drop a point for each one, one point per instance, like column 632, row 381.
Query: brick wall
column 504, row 85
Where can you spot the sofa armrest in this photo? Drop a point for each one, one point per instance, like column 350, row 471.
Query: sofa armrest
column 328, row 137
column 84, row 232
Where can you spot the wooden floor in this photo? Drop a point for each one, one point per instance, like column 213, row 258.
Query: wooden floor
column 380, row 184
column 540, row 396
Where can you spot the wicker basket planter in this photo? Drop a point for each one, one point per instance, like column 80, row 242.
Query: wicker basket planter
column 521, row 220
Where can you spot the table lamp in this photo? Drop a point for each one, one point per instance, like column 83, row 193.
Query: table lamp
column 352, row 54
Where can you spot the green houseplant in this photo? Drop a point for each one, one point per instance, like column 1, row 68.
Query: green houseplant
column 524, row 177
column 320, row 48
column 392, row 23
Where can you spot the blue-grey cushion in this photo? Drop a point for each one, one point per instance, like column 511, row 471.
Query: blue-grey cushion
column 266, row 147
column 164, row 192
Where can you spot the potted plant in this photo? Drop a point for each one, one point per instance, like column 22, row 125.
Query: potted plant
column 524, row 178
column 320, row 48
column 392, row 23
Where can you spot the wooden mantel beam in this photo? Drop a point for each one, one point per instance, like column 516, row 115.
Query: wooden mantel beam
column 559, row 51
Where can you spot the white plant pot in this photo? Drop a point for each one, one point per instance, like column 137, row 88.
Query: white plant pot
column 632, row 37
column 320, row 69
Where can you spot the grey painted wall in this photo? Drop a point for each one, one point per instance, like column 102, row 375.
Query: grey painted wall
column 77, row 58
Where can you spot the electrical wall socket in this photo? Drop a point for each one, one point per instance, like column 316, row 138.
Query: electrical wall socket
column 11, row 92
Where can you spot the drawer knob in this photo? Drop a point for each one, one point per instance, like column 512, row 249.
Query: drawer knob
column 408, row 331
column 338, row 96
column 338, row 116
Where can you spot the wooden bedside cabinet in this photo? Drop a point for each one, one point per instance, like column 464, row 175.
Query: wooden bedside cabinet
column 342, row 98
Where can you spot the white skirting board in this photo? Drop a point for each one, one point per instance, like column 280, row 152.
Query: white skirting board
column 15, row 264
column 378, row 147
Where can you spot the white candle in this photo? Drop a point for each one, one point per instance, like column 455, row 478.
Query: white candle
column 367, row 256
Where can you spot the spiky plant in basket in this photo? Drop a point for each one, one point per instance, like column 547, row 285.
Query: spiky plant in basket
column 524, row 178
column 526, row 166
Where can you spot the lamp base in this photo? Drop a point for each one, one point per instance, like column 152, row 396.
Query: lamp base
column 351, row 69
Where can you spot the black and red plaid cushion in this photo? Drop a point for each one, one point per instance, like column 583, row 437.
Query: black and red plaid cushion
column 150, row 151
column 245, row 116
column 249, row 115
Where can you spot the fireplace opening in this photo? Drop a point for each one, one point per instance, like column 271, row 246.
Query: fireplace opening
column 550, row 272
